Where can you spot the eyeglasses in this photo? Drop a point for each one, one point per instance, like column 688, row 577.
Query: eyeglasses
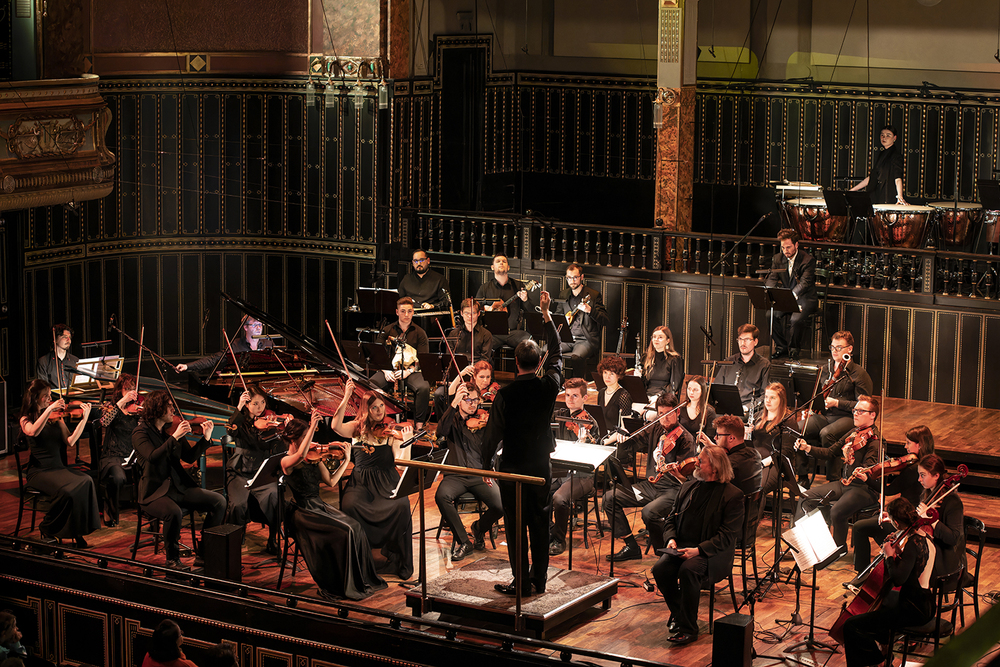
column 471, row 401
column 420, row 261
column 858, row 412
column 745, row 340
column 838, row 348
column 722, row 435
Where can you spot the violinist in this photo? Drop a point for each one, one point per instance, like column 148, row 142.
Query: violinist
column 769, row 439
column 662, row 369
column 614, row 400
column 666, row 445
column 858, row 448
column 479, row 373
column 408, row 340
column 368, row 497
column 249, row 341
column 904, row 482
column 697, row 412
column 73, row 511
column 589, row 315
column 58, row 367
column 471, row 332
column 948, row 532
column 461, row 432
column 166, row 489
column 333, row 544
column 744, row 459
column 847, row 382
column 502, row 288
column 907, row 566
column 748, row 371
column 119, row 417
column 568, row 488
column 253, row 443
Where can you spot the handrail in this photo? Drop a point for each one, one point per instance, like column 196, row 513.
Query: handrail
column 499, row 476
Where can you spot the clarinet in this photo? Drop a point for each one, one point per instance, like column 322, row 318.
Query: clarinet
column 638, row 356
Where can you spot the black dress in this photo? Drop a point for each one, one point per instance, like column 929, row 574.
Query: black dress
column 74, row 511
column 665, row 376
column 887, row 166
column 692, row 426
column 250, row 452
column 385, row 520
column 116, row 447
column 620, row 404
column 334, row 545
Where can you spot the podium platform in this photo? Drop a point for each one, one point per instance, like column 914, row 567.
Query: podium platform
column 467, row 593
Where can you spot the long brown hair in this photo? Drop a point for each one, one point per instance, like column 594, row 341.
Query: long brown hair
column 125, row 382
column 702, row 382
column 29, row 404
column 367, row 426
column 762, row 422
column 669, row 351
column 923, row 437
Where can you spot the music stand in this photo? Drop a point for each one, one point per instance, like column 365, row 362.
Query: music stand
column 377, row 300
column 534, row 323
column 432, row 366
column 495, row 322
column 726, row 398
column 409, row 483
column 860, row 206
column 771, row 298
column 352, row 350
column 378, row 357
column 836, row 202
column 813, row 547
column 581, row 456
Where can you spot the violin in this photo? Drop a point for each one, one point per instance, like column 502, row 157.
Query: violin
column 73, row 410
column 665, row 445
column 268, row 421
column 194, row 421
column 683, row 469
column 860, row 439
column 334, row 452
column 887, row 467
column 477, row 420
column 491, row 392
column 580, row 429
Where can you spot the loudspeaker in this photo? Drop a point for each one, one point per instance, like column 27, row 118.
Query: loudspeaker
column 732, row 642
column 222, row 553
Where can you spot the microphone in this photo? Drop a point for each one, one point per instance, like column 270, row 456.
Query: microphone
column 111, row 321
column 204, row 321
column 708, row 332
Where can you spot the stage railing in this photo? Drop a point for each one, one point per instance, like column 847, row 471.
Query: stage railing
column 654, row 252
column 500, row 477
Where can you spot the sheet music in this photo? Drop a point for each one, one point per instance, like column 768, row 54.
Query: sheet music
column 271, row 467
column 581, row 455
column 812, row 539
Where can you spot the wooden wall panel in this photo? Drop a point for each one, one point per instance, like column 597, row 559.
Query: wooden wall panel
column 946, row 354
column 970, row 352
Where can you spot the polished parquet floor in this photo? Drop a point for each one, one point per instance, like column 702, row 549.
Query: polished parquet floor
column 635, row 626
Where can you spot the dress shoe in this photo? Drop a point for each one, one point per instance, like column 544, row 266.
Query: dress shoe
column 779, row 354
column 175, row 564
column 627, row 552
column 511, row 589
column 681, row 638
column 81, row 543
column 111, row 523
column 556, row 547
column 462, row 550
column 478, row 537
column 794, row 354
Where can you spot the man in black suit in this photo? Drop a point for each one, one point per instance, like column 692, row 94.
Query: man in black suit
column 58, row 367
column 702, row 529
column 589, row 315
column 520, row 421
column 166, row 487
column 792, row 269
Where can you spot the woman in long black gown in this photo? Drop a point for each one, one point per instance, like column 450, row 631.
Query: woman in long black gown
column 334, row 545
column 662, row 368
column 368, row 497
column 73, row 512
column 253, row 446
column 768, row 437
column 118, row 420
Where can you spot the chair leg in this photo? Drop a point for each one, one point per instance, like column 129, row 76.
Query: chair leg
column 711, row 609
column 138, row 532
column 34, row 510
column 597, row 513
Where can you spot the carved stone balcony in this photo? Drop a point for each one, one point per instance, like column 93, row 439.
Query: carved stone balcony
column 53, row 148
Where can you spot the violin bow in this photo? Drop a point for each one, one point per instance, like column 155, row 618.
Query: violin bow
column 59, row 369
column 881, row 441
column 295, row 382
column 540, row 371
column 448, row 346
column 708, row 394
column 645, row 427
column 235, row 361
column 138, row 365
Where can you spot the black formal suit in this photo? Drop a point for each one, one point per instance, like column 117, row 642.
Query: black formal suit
column 789, row 327
column 166, row 487
column 713, row 526
column 585, row 327
column 520, row 423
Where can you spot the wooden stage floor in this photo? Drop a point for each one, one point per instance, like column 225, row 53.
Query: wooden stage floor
column 635, row 624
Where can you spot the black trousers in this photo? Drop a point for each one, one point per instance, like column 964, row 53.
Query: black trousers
column 421, row 393
column 534, row 529
column 863, row 633
column 565, row 491
column 680, row 583
column 113, row 478
column 864, row 531
column 451, row 487
column 846, row 501
column 656, row 504
column 170, row 510
column 790, row 327
column 823, row 431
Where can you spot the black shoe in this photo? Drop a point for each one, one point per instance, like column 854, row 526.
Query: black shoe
column 681, row 638
column 794, row 354
column 556, row 547
column 478, row 537
column 81, row 543
column 175, row 564
column 111, row 523
column 462, row 550
column 510, row 589
column 779, row 354
column 627, row 552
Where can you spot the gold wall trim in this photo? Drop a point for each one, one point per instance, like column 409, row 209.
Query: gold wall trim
column 312, row 247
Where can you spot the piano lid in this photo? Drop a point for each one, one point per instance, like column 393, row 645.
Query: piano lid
column 320, row 354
